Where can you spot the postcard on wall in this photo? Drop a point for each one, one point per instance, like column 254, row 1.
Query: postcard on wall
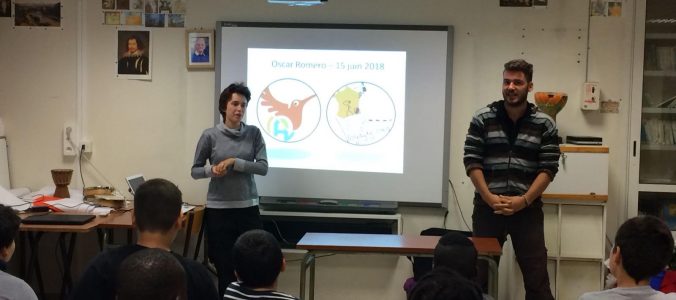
column 107, row 4
column 111, row 18
column 151, row 6
column 39, row 13
column 154, row 20
column 199, row 45
column 132, row 18
column 122, row 4
column 5, row 8
column 134, row 54
column 178, row 6
column 614, row 9
column 136, row 5
column 176, row 20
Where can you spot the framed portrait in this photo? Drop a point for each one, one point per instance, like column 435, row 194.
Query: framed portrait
column 199, row 46
column 134, row 54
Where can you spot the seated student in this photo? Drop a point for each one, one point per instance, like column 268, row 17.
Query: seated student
column 11, row 288
column 151, row 274
column 445, row 284
column 455, row 252
column 258, row 260
column 643, row 248
column 157, row 213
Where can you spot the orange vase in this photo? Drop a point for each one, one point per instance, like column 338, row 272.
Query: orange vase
column 550, row 103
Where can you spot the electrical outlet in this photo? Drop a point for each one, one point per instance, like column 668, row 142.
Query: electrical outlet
column 68, row 144
column 86, row 146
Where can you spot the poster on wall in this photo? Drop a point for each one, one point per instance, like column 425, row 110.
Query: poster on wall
column 37, row 13
column 134, row 54
column 5, row 8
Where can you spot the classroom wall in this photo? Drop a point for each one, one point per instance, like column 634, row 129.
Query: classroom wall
column 51, row 77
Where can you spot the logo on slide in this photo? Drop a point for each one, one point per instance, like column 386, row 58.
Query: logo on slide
column 288, row 110
column 361, row 113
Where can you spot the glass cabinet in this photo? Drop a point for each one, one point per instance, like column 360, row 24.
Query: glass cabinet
column 652, row 151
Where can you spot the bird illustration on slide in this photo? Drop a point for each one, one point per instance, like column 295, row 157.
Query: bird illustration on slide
column 293, row 110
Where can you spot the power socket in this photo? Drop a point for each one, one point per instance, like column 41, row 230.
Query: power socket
column 86, row 146
column 68, row 137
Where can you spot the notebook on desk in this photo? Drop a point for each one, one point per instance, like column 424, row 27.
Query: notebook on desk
column 58, row 219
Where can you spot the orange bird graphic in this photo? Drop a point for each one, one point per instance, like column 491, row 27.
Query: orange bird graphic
column 293, row 111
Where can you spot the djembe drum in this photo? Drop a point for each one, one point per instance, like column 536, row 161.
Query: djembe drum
column 61, row 179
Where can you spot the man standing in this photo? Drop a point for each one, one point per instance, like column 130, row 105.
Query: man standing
column 511, row 156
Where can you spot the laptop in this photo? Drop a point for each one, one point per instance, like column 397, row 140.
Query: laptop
column 134, row 181
column 58, row 219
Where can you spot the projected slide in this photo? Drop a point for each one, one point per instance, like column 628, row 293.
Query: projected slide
column 329, row 109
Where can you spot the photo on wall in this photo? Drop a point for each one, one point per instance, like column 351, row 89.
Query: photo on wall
column 199, row 49
column 134, row 54
column 37, row 13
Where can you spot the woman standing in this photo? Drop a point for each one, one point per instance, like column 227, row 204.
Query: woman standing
column 235, row 152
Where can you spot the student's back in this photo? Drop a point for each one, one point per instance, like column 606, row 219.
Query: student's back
column 157, row 212
column 99, row 280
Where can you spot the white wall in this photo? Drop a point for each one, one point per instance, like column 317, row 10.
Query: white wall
column 152, row 126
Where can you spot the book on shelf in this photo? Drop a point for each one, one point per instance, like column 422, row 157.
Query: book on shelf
column 659, row 131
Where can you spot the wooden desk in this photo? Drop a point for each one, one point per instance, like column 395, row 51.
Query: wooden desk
column 67, row 239
column 412, row 245
column 123, row 220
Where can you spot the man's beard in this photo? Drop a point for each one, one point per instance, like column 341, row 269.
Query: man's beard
column 520, row 101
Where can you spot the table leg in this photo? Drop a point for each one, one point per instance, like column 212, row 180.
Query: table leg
column 199, row 243
column 308, row 261
column 188, row 233
column 493, row 276
column 67, row 256
column 33, row 241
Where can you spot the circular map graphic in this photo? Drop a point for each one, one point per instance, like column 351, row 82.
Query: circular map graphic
column 361, row 113
column 288, row 110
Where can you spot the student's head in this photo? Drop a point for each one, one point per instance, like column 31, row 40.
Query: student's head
column 157, row 205
column 445, row 284
column 227, row 95
column 456, row 252
column 257, row 259
column 643, row 247
column 151, row 274
column 9, row 227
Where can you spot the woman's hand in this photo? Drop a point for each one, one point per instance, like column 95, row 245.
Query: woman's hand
column 221, row 169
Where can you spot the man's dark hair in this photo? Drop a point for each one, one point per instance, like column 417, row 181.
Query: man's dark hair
column 445, row 284
column 646, row 246
column 456, row 252
column 257, row 258
column 139, row 42
column 520, row 65
column 226, row 95
column 157, row 205
column 9, row 226
column 151, row 274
